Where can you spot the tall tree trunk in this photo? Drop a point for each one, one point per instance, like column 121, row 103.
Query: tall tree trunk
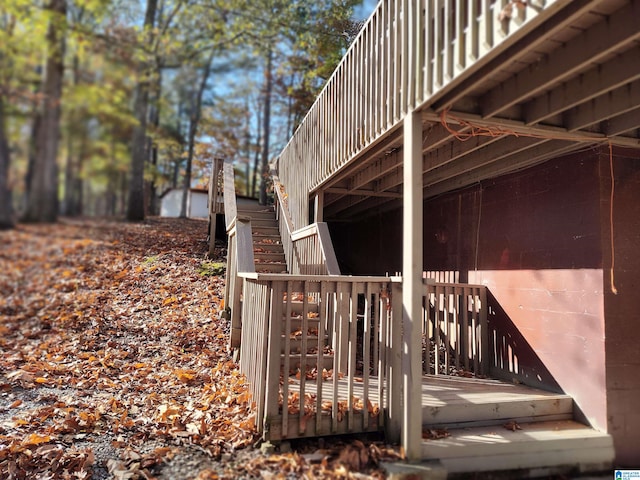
column 266, row 130
column 72, row 182
column 256, row 157
column 135, row 206
column 194, row 120
column 247, row 167
column 42, row 203
column 6, row 206
column 155, row 121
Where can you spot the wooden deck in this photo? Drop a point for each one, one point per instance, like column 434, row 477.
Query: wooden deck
column 473, row 424
column 458, row 401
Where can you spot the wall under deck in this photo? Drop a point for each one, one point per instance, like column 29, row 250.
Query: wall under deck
column 536, row 238
column 622, row 311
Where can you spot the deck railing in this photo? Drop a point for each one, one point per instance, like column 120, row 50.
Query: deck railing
column 216, row 187
column 308, row 250
column 215, row 201
column 239, row 253
column 322, row 353
column 404, row 57
column 455, row 330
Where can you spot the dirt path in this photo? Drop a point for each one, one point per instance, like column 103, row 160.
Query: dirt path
column 114, row 364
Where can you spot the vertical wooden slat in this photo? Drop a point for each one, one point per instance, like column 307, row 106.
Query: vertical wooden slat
column 448, row 49
column 397, row 61
column 473, row 31
column 484, row 332
column 464, row 329
column 352, row 347
column 303, row 355
column 378, row 342
column 446, row 316
column 388, row 63
column 436, row 328
column 394, row 362
column 322, row 318
column 429, row 48
column 406, row 56
column 366, row 353
column 438, row 40
column 287, row 359
column 461, row 35
column 274, row 350
column 486, row 25
column 475, row 330
column 337, row 353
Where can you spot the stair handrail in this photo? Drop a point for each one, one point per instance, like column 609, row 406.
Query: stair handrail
column 216, row 190
column 290, row 237
column 239, row 253
column 230, row 207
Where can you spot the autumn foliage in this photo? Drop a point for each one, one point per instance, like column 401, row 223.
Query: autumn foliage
column 115, row 364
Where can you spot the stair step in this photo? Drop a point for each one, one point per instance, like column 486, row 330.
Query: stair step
column 262, row 231
column 535, row 445
column 270, row 267
column 296, row 359
column 267, row 257
column 259, row 222
column 255, row 208
column 267, row 248
column 295, row 344
column 461, row 402
column 296, row 323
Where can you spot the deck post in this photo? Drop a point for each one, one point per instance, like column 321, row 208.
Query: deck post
column 412, row 286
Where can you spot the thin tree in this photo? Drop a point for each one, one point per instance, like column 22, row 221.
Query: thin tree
column 42, row 204
column 266, row 128
column 194, row 120
column 135, row 205
column 6, row 209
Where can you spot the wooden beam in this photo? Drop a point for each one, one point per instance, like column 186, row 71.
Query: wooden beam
column 485, row 156
column 518, row 127
column 602, row 78
column 623, row 123
column 432, row 137
column 511, row 163
column 412, row 288
column 616, row 102
column 367, row 193
column 557, row 22
column 588, row 47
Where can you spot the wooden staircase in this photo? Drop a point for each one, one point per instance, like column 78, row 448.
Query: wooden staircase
column 268, row 252
column 301, row 339
column 475, row 425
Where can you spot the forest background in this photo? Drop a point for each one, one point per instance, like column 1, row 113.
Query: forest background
column 106, row 104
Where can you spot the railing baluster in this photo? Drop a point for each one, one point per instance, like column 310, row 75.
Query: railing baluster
column 303, row 355
column 352, row 347
column 322, row 318
column 460, row 37
column 337, row 353
column 287, row 359
column 366, row 353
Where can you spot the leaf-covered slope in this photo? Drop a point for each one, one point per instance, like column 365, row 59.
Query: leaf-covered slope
column 114, row 362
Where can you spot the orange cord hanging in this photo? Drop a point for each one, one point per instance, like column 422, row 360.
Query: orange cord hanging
column 470, row 130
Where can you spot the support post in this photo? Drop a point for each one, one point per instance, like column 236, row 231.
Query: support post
column 318, row 206
column 412, row 287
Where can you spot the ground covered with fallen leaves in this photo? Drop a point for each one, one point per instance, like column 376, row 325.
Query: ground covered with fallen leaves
column 114, row 362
